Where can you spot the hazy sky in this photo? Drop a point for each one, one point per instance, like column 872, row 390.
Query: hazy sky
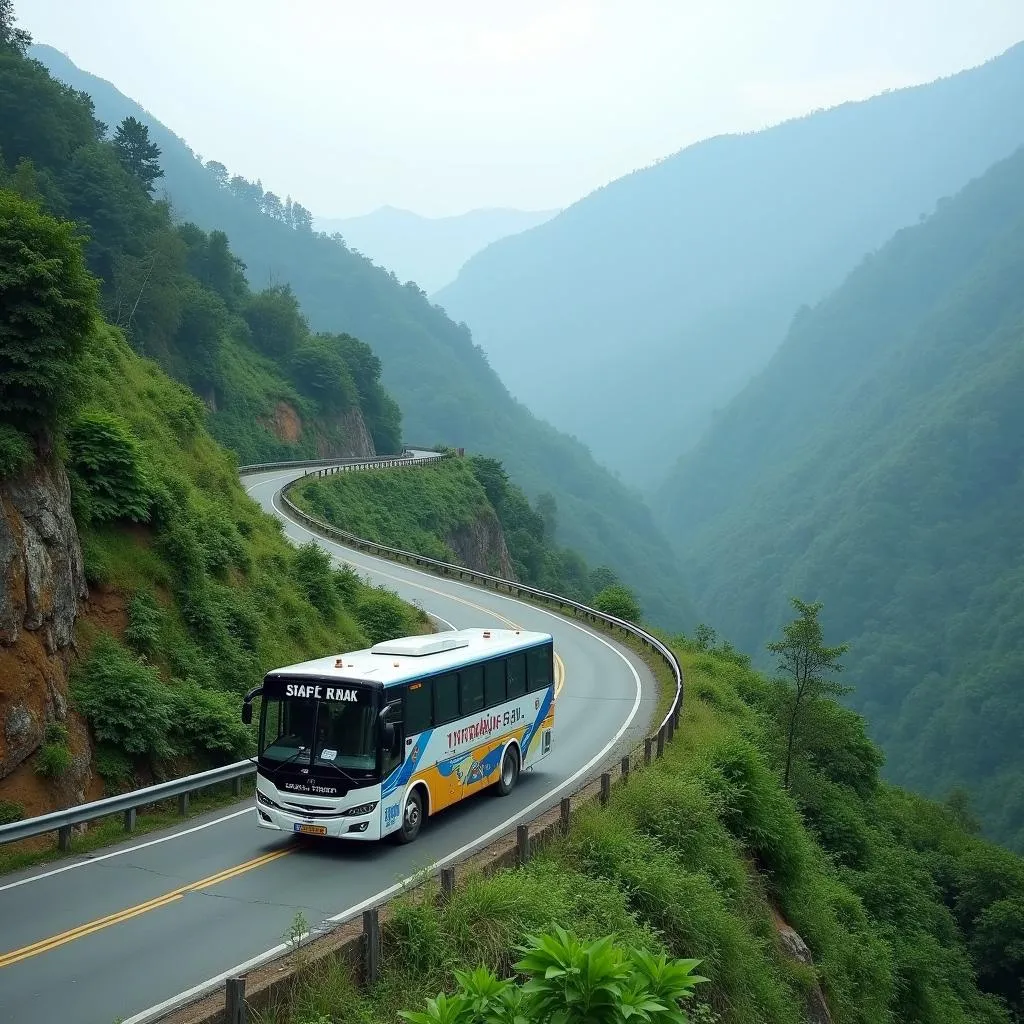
column 441, row 106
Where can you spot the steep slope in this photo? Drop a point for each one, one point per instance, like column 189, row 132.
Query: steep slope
column 428, row 250
column 446, row 390
column 876, row 465
column 141, row 591
column 663, row 292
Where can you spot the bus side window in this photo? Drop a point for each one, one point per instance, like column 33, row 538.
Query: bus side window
column 538, row 664
column 418, row 706
column 446, row 699
column 516, row 675
column 471, row 689
column 494, row 683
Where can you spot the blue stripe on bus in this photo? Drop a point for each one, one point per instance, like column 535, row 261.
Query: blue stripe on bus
column 401, row 775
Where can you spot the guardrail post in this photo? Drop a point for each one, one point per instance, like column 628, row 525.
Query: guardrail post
column 606, row 787
column 647, row 751
column 64, row 839
column 523, row 843
column 671, row 728
column 129, row 819
column 661, row 741
column 447, row 883
column 564, row 808
column 371, row 945
column 183, row 804
column 235, row 1010
column 236, row 786
column 625, row 768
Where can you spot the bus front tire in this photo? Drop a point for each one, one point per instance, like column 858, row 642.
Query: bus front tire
column 412, row 817
column 509, row 774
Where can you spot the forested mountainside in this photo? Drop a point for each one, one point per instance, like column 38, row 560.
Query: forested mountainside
column 876, row 464
column 180, row 294
column 446, row 389
column 141, row 592
column 660, row 294
column 427, row 250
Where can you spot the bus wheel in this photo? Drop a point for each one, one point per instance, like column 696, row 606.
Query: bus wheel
column 509, row 771
column 412, row 818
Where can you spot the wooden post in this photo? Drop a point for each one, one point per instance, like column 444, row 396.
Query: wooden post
column 183, row 804
column 523, row 843
column 371, row 946
column 606, row 787
column 129, row 819
column 625, row 768
column 661, row 741
column 647, row 750
column 235, row 1010
column 64, row 839
column 447, row 883
column 671, row 727
column 565, row 808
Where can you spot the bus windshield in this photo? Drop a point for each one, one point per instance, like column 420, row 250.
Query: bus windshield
column 319, row 734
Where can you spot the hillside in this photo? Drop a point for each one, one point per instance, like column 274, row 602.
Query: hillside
column 446, row 389
column 142, row 592
column 875, row 464
column 465, row 511
column 427, row 250
column 663, row 292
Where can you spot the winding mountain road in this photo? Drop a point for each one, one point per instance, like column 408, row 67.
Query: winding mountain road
column 126, row 932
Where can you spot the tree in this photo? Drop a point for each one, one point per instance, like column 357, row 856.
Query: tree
column 272, row 206
column 11, row 38
column 620, row 601
column 320, row 373
column 218, row 171
column 805, row 664
column 601, row 578
column 48, row 302
column 548, row 508
column 137, row 154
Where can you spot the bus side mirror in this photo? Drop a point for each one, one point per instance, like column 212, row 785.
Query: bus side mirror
column 247, row 714
column 390, row 736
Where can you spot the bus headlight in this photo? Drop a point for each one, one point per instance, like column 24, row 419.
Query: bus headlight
column 361, row 809
column 264, row 799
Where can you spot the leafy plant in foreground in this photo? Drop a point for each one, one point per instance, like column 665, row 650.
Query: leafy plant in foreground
column 570, row 982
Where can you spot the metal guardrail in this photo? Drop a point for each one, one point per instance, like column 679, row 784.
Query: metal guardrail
column 128, row 804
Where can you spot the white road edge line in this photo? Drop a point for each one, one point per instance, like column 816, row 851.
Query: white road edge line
column 198, row 990
column 129, row 849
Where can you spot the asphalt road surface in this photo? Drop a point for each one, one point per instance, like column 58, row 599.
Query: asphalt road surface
column 125, row 932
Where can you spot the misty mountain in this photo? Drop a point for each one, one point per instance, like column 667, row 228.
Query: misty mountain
column 660, row 294
column 876, row 465
column 442, row 381
column 428, row 250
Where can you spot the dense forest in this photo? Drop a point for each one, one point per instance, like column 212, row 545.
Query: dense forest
column 435, row 510
column 192, row 591
column 442, row 381
column 660, row 294
column 876, row 465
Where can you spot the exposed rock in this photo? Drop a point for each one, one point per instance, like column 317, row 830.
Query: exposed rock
column 42, row 579
column 285, row 423
column 793, row 946
column 356, row 442
column 481, row 546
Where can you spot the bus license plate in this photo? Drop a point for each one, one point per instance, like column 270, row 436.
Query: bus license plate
column 310, row 830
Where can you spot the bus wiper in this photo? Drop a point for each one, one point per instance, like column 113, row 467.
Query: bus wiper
column 274, row 771
column 351, row 779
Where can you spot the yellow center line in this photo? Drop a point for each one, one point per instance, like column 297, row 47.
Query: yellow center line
column 45, row 945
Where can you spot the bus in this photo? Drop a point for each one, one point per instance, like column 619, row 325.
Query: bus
column 368, row 744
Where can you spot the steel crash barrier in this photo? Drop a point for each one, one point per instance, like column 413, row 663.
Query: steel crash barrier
column 128, row 804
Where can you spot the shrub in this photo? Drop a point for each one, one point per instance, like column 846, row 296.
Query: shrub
column 15, row 451
column 619, row 601
column 53, row 760
column 108, row 462
column 10, row 812
column 381, row 615
column 142, row 634
column 113, row 766
column 124, row 701
column 208, row 722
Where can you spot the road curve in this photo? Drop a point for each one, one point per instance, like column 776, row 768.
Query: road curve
column 126, row 932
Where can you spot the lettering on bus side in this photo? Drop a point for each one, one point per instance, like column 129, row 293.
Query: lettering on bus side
column 317, row 692
column 391, row 813
column 486, row 726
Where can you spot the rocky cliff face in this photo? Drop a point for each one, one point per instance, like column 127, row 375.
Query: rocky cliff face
column 343, row 437
column 481, row 546
column 356, row 442
column 42, row 581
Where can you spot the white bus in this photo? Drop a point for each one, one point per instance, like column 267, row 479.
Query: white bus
column 367, row 744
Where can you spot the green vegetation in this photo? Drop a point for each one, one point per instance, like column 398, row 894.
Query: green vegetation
column 875, row 466
column 429, row 363
column 425, row 509
column 910, row 918
column 215, row 594
column 632, row 318
column 273, row 388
